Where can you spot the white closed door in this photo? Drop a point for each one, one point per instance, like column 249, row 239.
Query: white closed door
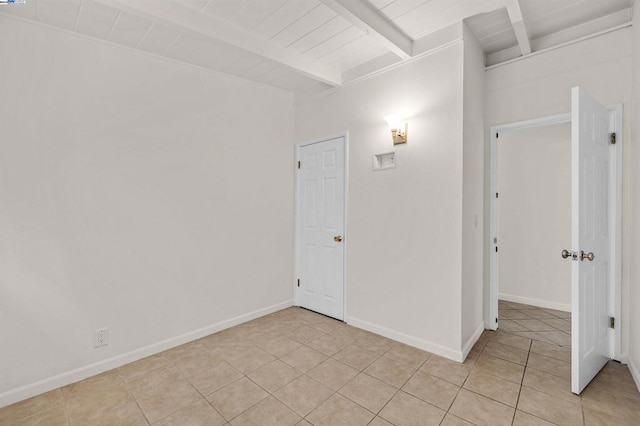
column 590, row 238
column 320, row 227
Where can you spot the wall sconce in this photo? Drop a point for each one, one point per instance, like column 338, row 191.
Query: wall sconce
column 398, row 127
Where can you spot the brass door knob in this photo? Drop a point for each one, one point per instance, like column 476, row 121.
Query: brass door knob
column 337, row 238
column 589, row 256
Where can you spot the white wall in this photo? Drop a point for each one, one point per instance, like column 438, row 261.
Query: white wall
column 133, row 191
column 473, row 201
column 540, row 85
column 634, row 296
column 404, row 225
column 534, row 215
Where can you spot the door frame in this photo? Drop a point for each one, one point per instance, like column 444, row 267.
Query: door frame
column 296, row 215
column 615, row 212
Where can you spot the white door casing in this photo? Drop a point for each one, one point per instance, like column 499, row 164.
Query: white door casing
column 320, row 226
column 590, row 233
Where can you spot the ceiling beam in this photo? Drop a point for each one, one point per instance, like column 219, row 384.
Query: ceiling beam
column 517, row 21
column 361, row 14
column 187, row 19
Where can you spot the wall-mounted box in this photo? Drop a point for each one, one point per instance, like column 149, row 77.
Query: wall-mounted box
column 384, row 161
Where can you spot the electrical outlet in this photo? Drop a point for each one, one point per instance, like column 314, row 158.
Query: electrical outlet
column 100, row 337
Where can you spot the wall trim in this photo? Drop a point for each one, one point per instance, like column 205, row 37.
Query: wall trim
column 416, row 342
column 466, row 348
column 635, row 371
column 565, row 307
column 63, row 379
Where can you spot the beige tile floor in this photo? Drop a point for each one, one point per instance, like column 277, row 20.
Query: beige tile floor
column 298, row 367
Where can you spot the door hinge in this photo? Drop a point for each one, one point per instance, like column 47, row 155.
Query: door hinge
column 496, row 195
column 496, row 249
column 298, row 164
column 496, row 320
column 298, row 282
column 613, row 138
column 497, row 135
column 612, row 322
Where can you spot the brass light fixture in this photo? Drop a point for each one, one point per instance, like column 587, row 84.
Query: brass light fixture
column 398, row 127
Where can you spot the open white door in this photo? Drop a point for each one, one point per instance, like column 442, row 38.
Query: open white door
column 590, row 237
column 320, row 226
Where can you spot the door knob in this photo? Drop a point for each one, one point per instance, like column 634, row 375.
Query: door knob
column 589, row 256
column 337, row 238
column 565, row 254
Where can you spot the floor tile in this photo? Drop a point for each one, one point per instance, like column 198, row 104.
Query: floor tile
column 556, row 386
column 250, row 359
column 551, row 350
column 549, row 408
column 493, row 387
column 348, row 333
column 549, row 365
column 558, row 337
column 303, row 395
column 534, row 325
column 451, row 420
column 53, row 416
column 31, row 406
column 268, row 412
column 356, row 357
column 333, row 374
column 511, row 325
column 500, row 368
column 368, row 392
column 208, row 374
column 280, row 346
column 431, row 389
column 597, row 418
column 514, row 314
column 304, row 359
column 451, row 371
column 162, row 392
column 511, row 340
column 406, row 354
column 390, row 371
column 481, row 410
column 557, row 323
column 177, row 354
column 197, row 414
column 405, row 409
column 237, row 397
column 139, row 368
column 525, row 419
column 305, row 334
column 273, row 376
column 379, row 421
column 339, row 410
column 508, row 353
column 328, row 345
column 621, row 406
column 375, row 343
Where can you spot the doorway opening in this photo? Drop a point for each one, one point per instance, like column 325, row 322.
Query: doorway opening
column 526, row 307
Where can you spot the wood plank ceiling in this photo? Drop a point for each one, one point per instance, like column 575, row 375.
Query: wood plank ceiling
column 308, row 46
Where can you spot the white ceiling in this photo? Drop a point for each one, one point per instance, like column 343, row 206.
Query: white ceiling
column 308, row 46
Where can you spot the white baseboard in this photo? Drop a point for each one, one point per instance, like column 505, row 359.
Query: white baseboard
column 425, row 345
column 63, row 379
column 535, row 302
column 635, row 371
column 466, row 348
